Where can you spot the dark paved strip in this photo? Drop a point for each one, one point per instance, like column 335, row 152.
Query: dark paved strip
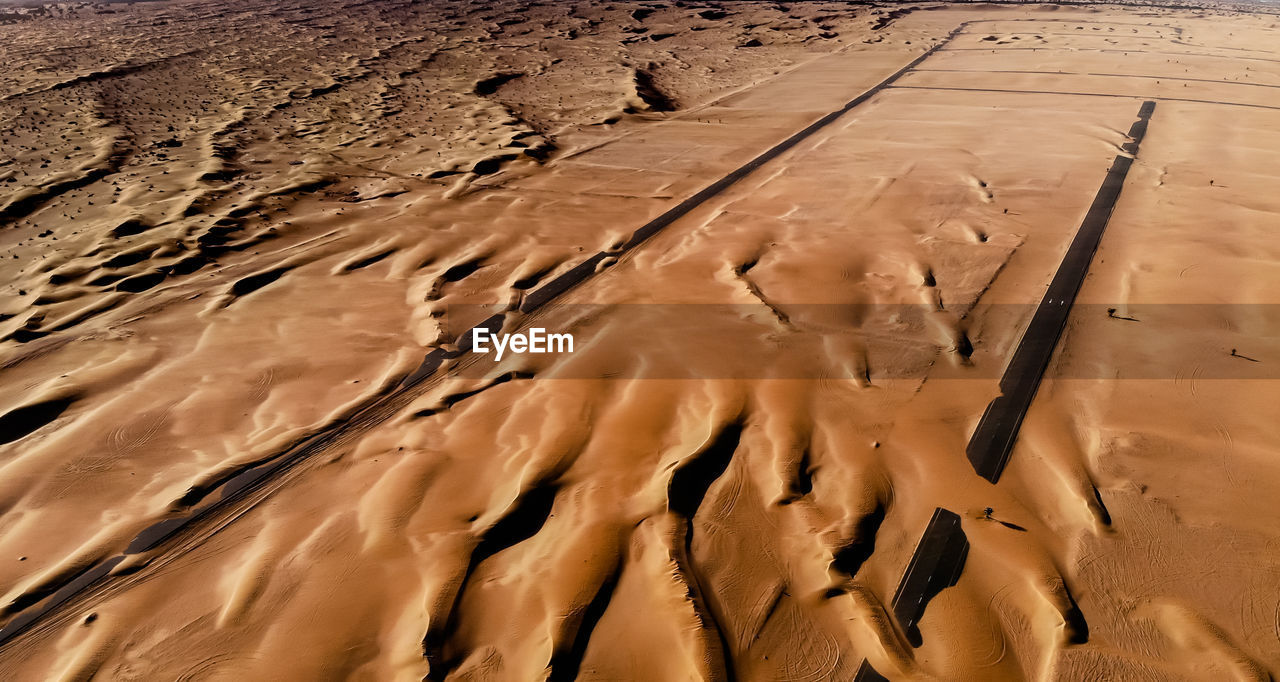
column 1086, row 94
column 208, row 507
column 585, row 269
column 868, row 674
column 992, row 442
column 936, row 565
column 73, row 586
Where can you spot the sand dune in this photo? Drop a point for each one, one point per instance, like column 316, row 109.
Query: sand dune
column 796, row 243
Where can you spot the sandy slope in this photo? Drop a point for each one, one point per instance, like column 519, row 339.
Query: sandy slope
column 228, row 224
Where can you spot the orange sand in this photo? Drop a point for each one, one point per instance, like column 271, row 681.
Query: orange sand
column 227, row 224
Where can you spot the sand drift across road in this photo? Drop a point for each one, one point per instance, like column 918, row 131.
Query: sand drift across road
column 943, row 550
column 232, row 493
column 992, row 443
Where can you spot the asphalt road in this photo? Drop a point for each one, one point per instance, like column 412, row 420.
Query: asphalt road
column 943, row 548
column 993, row 441
column 936, row 565
column 209, row 508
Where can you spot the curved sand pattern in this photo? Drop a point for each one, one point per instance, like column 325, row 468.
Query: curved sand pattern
column 238, row 243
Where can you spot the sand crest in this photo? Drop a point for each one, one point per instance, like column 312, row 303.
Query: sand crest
column 796, row 244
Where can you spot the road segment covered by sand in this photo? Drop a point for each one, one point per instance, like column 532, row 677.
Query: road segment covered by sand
column 243, row 280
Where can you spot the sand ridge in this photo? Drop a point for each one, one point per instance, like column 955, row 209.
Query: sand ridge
column 751, row 529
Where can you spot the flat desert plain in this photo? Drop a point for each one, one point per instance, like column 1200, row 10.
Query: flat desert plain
column 912, row 341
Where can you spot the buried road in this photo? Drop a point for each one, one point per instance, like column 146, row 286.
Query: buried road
column 496, row 523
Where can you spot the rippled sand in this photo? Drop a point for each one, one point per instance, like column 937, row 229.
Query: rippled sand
column 232, row 229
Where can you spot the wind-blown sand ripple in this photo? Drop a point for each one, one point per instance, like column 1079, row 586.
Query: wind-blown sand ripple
column 229, row 225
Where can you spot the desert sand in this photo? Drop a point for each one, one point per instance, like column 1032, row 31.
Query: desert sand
column 232, row 230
